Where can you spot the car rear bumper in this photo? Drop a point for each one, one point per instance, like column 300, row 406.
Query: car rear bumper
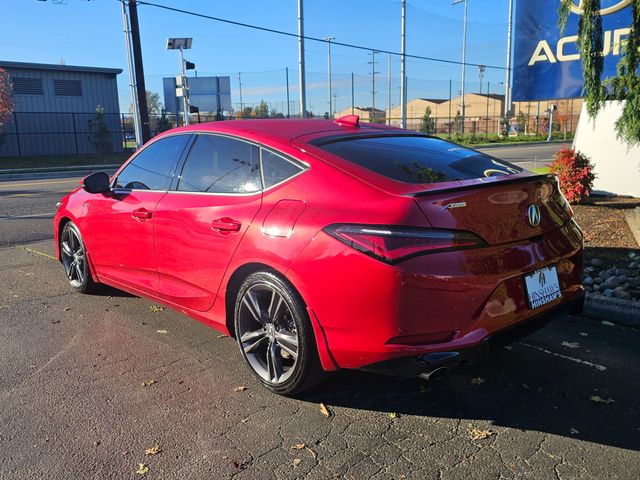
column 425, row 365
column 369, row 312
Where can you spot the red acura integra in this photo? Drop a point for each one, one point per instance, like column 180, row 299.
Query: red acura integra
column 323, row 245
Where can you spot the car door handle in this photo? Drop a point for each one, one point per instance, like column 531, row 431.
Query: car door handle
column 226, row 224
column 141, row 213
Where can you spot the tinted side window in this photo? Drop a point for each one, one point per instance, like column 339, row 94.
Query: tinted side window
column 418, row 159
column 221, row 165
column 153, row 167
column 275, row 168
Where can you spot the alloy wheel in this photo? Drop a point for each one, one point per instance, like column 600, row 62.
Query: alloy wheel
column 267, row 333
column 73, row 257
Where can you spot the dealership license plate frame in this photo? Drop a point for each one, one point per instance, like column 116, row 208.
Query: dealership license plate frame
column 542, row 287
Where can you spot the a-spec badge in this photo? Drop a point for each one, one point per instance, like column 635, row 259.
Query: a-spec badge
column 451, row 206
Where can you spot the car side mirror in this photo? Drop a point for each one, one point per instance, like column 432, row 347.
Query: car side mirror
column 96, row 183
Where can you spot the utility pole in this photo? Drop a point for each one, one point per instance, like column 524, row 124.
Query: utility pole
column 240, row 86
column 481, row 69
column 132, row 82
column 328, row 40
column 286, row 70
column 139, row 69
column 507, row 96
column 301, row 70
column 464, row 56
column 373, row 85
column 403, row 73
column 389, row 92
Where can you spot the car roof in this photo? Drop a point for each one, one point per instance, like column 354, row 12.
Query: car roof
column 281, row 131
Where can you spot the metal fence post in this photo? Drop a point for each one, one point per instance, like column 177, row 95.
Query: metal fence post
column 75, row 133
column 15, row 122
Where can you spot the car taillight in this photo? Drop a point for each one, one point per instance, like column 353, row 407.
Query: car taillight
column 394, row 244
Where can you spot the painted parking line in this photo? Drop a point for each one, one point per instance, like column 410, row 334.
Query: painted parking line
column 31, row 250
column 587, row 363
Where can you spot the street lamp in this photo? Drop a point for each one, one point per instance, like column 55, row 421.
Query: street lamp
column 328, row 40
column 182, row 89
column 464, row 56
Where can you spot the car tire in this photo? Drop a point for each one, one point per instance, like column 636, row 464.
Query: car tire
column 75, row 260
column 275, row 336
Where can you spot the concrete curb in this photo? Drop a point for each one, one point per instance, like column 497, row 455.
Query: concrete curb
column 513, row 144
column 56, row 172
column 622, row 312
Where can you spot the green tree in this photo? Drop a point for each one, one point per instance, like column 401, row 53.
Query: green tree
column 625, row 85
column 99, row 133
column 261, row 110
column 427, row 125
column 522, row 122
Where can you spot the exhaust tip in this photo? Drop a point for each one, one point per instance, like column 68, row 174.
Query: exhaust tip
column 434, row 374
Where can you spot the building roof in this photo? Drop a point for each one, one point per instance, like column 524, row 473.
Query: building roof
column 495, row 96
column 60, row 68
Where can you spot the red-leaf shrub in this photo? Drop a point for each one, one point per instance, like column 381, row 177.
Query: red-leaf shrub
column 575, row 174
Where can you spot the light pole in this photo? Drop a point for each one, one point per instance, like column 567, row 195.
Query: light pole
column 403, row 73
column 373, row 86
column 481, row 69
column 301, row 70
column 328, row 40
column 181, row 44
column 507, row 96
column 464, row 56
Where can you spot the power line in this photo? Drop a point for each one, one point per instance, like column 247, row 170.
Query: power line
column 313, row 39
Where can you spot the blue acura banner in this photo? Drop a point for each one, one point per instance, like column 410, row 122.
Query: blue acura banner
column 547, row 64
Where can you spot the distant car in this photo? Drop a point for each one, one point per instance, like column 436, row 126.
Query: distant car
column 320, row 245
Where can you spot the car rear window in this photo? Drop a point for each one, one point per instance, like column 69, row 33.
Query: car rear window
column 416, row 158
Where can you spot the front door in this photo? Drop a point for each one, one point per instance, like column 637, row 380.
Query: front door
column 199, row 225
column 121, row 224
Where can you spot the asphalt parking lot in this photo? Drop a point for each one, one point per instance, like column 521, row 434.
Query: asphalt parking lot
column 88, row 383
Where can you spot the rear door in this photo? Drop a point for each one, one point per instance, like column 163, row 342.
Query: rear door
column 200, row 223
column 120, row 225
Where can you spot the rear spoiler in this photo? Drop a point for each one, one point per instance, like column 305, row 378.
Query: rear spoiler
column 472, row 186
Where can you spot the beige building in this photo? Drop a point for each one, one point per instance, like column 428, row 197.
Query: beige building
column 416, row 109
column 366, row 114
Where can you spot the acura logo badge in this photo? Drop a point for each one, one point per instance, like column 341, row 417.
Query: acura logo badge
column 533, row 213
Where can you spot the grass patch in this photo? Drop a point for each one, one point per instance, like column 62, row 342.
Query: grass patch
column 62, row 160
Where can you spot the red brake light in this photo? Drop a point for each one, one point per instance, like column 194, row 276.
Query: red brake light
column 394, row 244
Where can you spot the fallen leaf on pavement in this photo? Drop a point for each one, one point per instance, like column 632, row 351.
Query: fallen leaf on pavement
column 241, row 388
column 392, row 415
column 570, row 344
column 156, row 308
column 162, row 331
column 296, row 462
column 598, row 399
column 153, row 450
column 223, row 336
column 66, row 309
column 142, row 469
column 148, row 383
column 478, row 381
column 324, row 410
column 298, row 446
column 477, row 434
